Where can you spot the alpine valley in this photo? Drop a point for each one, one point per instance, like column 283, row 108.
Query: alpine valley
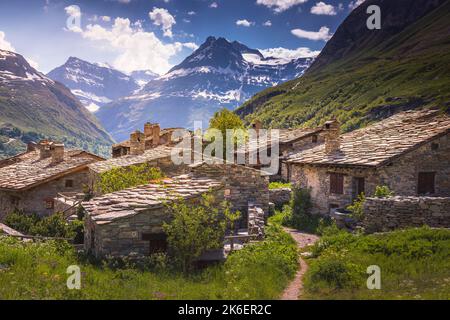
column 218, row 74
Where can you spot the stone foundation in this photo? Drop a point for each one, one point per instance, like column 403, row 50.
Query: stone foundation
column 402, row 212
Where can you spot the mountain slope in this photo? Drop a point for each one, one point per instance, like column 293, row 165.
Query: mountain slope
column 218, row 74
column 363, row 75
column 93, row 84
column 33, row 106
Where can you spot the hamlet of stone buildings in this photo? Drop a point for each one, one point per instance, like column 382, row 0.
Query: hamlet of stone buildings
column 408, row 152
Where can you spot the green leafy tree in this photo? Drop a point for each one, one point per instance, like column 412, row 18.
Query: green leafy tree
column 118, row 179
column 383, row 192
column 224, row 120
column 196, row 228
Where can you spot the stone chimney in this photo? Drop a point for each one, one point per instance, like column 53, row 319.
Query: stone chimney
column 332, row 136
column 31, row 146
column 257, row 125
column 156, row 133
column 44, row 149
column 148, row 130
column 57, row 151
column 137, row 143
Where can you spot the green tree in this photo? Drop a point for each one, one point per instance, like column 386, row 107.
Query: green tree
column 196, row 228
column 224, row 120
column 118, row 179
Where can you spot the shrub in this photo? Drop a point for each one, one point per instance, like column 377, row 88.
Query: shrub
column 383, row 192
column 278, row 185
column 357, row 207
column 197, row 228
column 118, row 179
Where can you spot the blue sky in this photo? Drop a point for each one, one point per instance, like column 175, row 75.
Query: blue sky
column 157, row 34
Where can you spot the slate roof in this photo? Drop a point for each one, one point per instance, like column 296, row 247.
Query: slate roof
column 29, row 171
column 285, row 136
column 129, row 160
column 379, row 143
column 126, row 143
column 129, row 202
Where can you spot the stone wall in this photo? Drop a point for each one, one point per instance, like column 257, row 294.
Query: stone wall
column 34, row 200
column 256, row 221
column 384, row 214
column 242, row 185
column 280, row 196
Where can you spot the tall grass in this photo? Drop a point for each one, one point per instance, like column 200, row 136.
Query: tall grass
column 415, row 264
column 38, row 271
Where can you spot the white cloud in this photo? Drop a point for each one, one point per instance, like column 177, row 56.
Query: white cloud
column 244, row 23
column 5, row 44
column 106, row 18
column 321, row 8
column 136, row 49
column 73, row 11
column 191, row 45
column 289, row 54
column 280, row 5
column 214, row 5
column 191, row 13
column 268, row 23
column 355, row 4
column 73, row 22
column 323, row 34
column 162, row 17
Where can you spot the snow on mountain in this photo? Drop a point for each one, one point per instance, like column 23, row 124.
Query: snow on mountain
column 218, row 74
column 142, row 77
column 95, row 84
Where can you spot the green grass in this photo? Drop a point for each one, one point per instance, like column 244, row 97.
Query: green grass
column 415, row 264
column 38, row 271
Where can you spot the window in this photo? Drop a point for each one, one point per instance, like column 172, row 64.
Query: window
column 69, row 183
column 336, row 183
column 434, row 146
column 314, row 138
column 426, row 183
column 157, row 242
column 359, row 186
column 49, row 204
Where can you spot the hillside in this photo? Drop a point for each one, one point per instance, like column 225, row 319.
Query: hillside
column 363, row 75
column 33, row 106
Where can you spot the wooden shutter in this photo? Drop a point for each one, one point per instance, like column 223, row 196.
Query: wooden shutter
column 426, row 183
column 336, row 183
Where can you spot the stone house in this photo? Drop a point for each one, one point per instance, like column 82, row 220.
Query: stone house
column 32, row 180
column 290, row 142
column 409, row 152
column 131, row 220
column 152, row 137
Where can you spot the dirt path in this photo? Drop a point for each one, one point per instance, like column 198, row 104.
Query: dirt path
column 295, row 288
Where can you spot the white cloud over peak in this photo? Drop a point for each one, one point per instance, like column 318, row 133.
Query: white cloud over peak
column 136, row 49
column 321, row 8
column 280, row 5
column 244, row 23
column 162, row 17
column 323, row 34
column 355, row 4
column 289, row 54
column 5, row 44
